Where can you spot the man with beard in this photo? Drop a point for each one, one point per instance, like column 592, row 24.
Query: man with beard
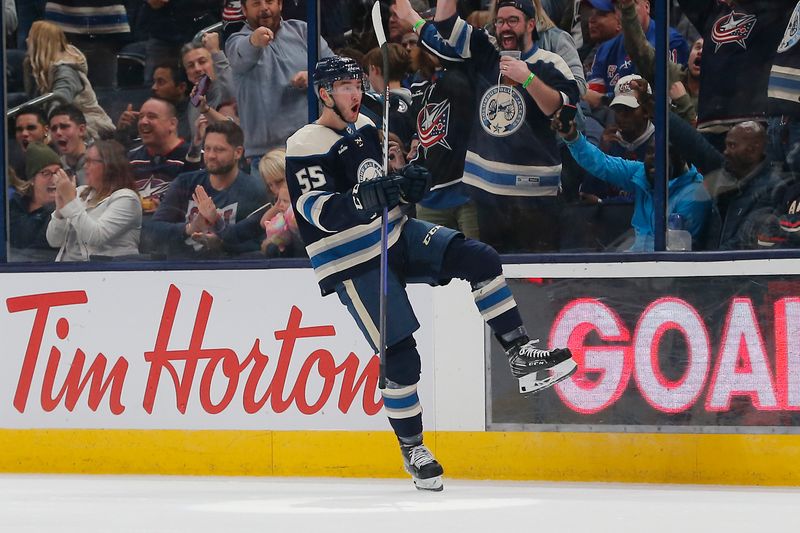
column 162, row 156
column 338, row 189
column 513, row 163
column 199, row 211
column 268, row 57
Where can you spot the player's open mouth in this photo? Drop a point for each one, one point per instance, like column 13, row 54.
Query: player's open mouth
column 25, row 144
column 62, row 144
column 355, row 109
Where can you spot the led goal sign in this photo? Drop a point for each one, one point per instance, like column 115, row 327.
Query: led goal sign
column 699, row 354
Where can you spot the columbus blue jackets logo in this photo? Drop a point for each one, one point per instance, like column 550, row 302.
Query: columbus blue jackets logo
column 733, row 28
column 433, row 123
column 369, row 169
column 502, row 111
column 792, row 35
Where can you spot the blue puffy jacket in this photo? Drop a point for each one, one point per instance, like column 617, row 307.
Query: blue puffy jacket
column 687, row 196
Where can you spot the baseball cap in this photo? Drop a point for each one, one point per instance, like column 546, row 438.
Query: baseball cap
column 601, row 5
column 526, row 6
column 624, row 93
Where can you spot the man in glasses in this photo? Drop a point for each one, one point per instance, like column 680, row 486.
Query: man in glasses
column 513, row 163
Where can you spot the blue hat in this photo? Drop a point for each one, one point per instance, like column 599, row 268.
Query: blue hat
column 526, row 6
column 601, row 5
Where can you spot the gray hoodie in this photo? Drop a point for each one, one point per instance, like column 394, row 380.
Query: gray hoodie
column 270, row 108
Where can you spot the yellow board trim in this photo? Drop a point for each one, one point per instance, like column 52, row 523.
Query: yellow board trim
column 772, row 460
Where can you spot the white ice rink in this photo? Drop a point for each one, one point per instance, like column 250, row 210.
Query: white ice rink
column 111, row 504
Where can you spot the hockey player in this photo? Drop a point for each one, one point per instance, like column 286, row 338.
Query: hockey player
column 337, row 189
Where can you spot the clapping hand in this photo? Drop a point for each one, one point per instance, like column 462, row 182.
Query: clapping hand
column 65, row 188
column 205, row 205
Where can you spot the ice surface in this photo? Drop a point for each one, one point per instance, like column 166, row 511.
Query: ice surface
column 155, row 504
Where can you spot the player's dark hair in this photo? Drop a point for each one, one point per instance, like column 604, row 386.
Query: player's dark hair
column 232, row 132
column 71, row 111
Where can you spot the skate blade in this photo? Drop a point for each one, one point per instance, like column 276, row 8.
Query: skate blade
column 560, row 372
column 433, row 484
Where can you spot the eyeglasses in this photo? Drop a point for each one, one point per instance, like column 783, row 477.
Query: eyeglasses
column 511, row 21
column 94, row 161
column 47, row 173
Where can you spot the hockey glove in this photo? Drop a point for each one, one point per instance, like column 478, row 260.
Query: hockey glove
column 414, row 183
column 375, row 194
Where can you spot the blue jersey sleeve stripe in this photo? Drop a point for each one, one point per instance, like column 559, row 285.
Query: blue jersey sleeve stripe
column 350, row 247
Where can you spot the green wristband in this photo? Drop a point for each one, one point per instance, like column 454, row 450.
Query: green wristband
column 418, row 24
column 528, row 80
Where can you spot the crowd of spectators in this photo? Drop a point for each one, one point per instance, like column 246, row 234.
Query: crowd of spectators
column 162, row 130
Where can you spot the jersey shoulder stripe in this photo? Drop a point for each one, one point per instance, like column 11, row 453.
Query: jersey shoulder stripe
column 315, row 139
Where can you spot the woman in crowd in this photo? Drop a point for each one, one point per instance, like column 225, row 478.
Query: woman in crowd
column 31, row 204
column 101, row 218
column 54, row 66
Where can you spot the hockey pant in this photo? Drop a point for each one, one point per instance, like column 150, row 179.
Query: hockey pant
column 428, row 254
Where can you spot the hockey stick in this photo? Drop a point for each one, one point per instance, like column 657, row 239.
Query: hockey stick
column 377, row 24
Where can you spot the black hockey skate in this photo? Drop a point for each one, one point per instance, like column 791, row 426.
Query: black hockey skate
column 426, row 472
column 538, row 369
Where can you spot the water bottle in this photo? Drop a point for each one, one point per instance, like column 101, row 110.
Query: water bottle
column 678, row 239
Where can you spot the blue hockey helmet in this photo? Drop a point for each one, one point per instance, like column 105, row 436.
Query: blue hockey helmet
column 336, row 68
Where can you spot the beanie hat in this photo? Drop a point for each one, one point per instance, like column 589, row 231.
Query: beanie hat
column 38, row 156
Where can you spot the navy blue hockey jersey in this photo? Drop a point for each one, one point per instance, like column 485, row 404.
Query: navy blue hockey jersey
column 512, row 150
column 322, row 167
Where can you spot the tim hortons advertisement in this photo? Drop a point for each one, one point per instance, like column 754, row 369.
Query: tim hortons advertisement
column 702, row 354
column 186, row 350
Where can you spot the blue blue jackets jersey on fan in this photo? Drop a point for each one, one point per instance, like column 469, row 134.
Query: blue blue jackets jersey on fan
column 322, row 167
column 512, row 150
column 612, row 62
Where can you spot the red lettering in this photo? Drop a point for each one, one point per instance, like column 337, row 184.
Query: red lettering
column 75, row 383
column 280, row 396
